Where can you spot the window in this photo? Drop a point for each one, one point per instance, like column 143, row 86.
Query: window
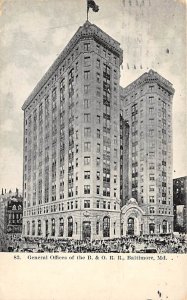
column 98, row 189
column 98, row 133
column 86, row 46
column 151, row 199
column 98, row 63
column 114, row 205
column 87, row 118
column 86, row 75
column 86, row 189
column 70, row 226
column 98, row 76
column 61, row 227
column 87, row 160
column 151, row 177
column 87, row 146
column 98, row 175
column 152, row 210
column 151, row 110
column 151, row 188
column 87, row 132
column 86, row 174
column 86, row 203
column 98, row 119
column 53, row 227
column 86, row 89
column 98, row 148
column 104, row 204
column 98, row 204
column 97, row 227
column 106, row 227
column 98, row 161
column 87, row 61
column 108, row 205
column 86, row 103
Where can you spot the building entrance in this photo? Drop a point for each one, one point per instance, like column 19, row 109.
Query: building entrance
column 86, row 230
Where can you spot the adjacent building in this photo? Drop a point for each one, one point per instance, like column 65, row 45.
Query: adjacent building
column 180, row 204
column 90, row 146
column 11, row 213
column 146, row 116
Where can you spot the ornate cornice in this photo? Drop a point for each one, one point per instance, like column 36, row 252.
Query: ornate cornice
column 88, row 30
column 148, row 77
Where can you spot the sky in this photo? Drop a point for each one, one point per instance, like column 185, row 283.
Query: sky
column 152, row 34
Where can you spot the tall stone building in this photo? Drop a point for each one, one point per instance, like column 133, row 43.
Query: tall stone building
column 146, row 106
column 180, row 204
column 83, row 155
column 71, row 142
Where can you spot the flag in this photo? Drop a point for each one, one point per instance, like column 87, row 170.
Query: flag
column 93, row 5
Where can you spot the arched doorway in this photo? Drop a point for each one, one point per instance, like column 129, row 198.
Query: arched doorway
column 61, row 227
column 151, row 228
column 86, row 230
column 130, row 226
column 106, row 227
column 70, row 226
column 164, row 226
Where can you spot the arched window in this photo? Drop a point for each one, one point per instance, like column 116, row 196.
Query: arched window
column 39, row 227
column 33, row 227
column 151, row 228
column 97, row 227
column 70, row 226
column 106, row 227
column 130, row 226
column 61, row 227
column 53, row 227
column 46, row 228
column 164, row 226
column 28, row 228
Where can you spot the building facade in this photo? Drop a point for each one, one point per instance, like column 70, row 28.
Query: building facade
column 11, row 213
column 79, row 146
column 180, row 204
column 71, row 142
column 146, row 106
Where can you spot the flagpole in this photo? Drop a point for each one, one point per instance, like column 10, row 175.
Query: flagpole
column 87, row 9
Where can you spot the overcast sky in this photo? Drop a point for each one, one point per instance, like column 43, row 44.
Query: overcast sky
column 33, row 33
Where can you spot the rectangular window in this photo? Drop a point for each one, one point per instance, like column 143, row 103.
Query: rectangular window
column 87, row 160
column 104, row 204
column 98, row 76
column 86, row 46
column 98, row 189
column 98, row 119
column 86, row 103
column 151, row 199
column 86, row 174
column 98, row 63
column 86, row 75
column 98, row 203
column 87, row 132
column 98, row 161
column 87, row 146
column 98, row 175
column 86, row 203
column 86, row 89
column 98, row 134
column 98, row 148
column 87, row 61
column 87, row 118
column 86, row 189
